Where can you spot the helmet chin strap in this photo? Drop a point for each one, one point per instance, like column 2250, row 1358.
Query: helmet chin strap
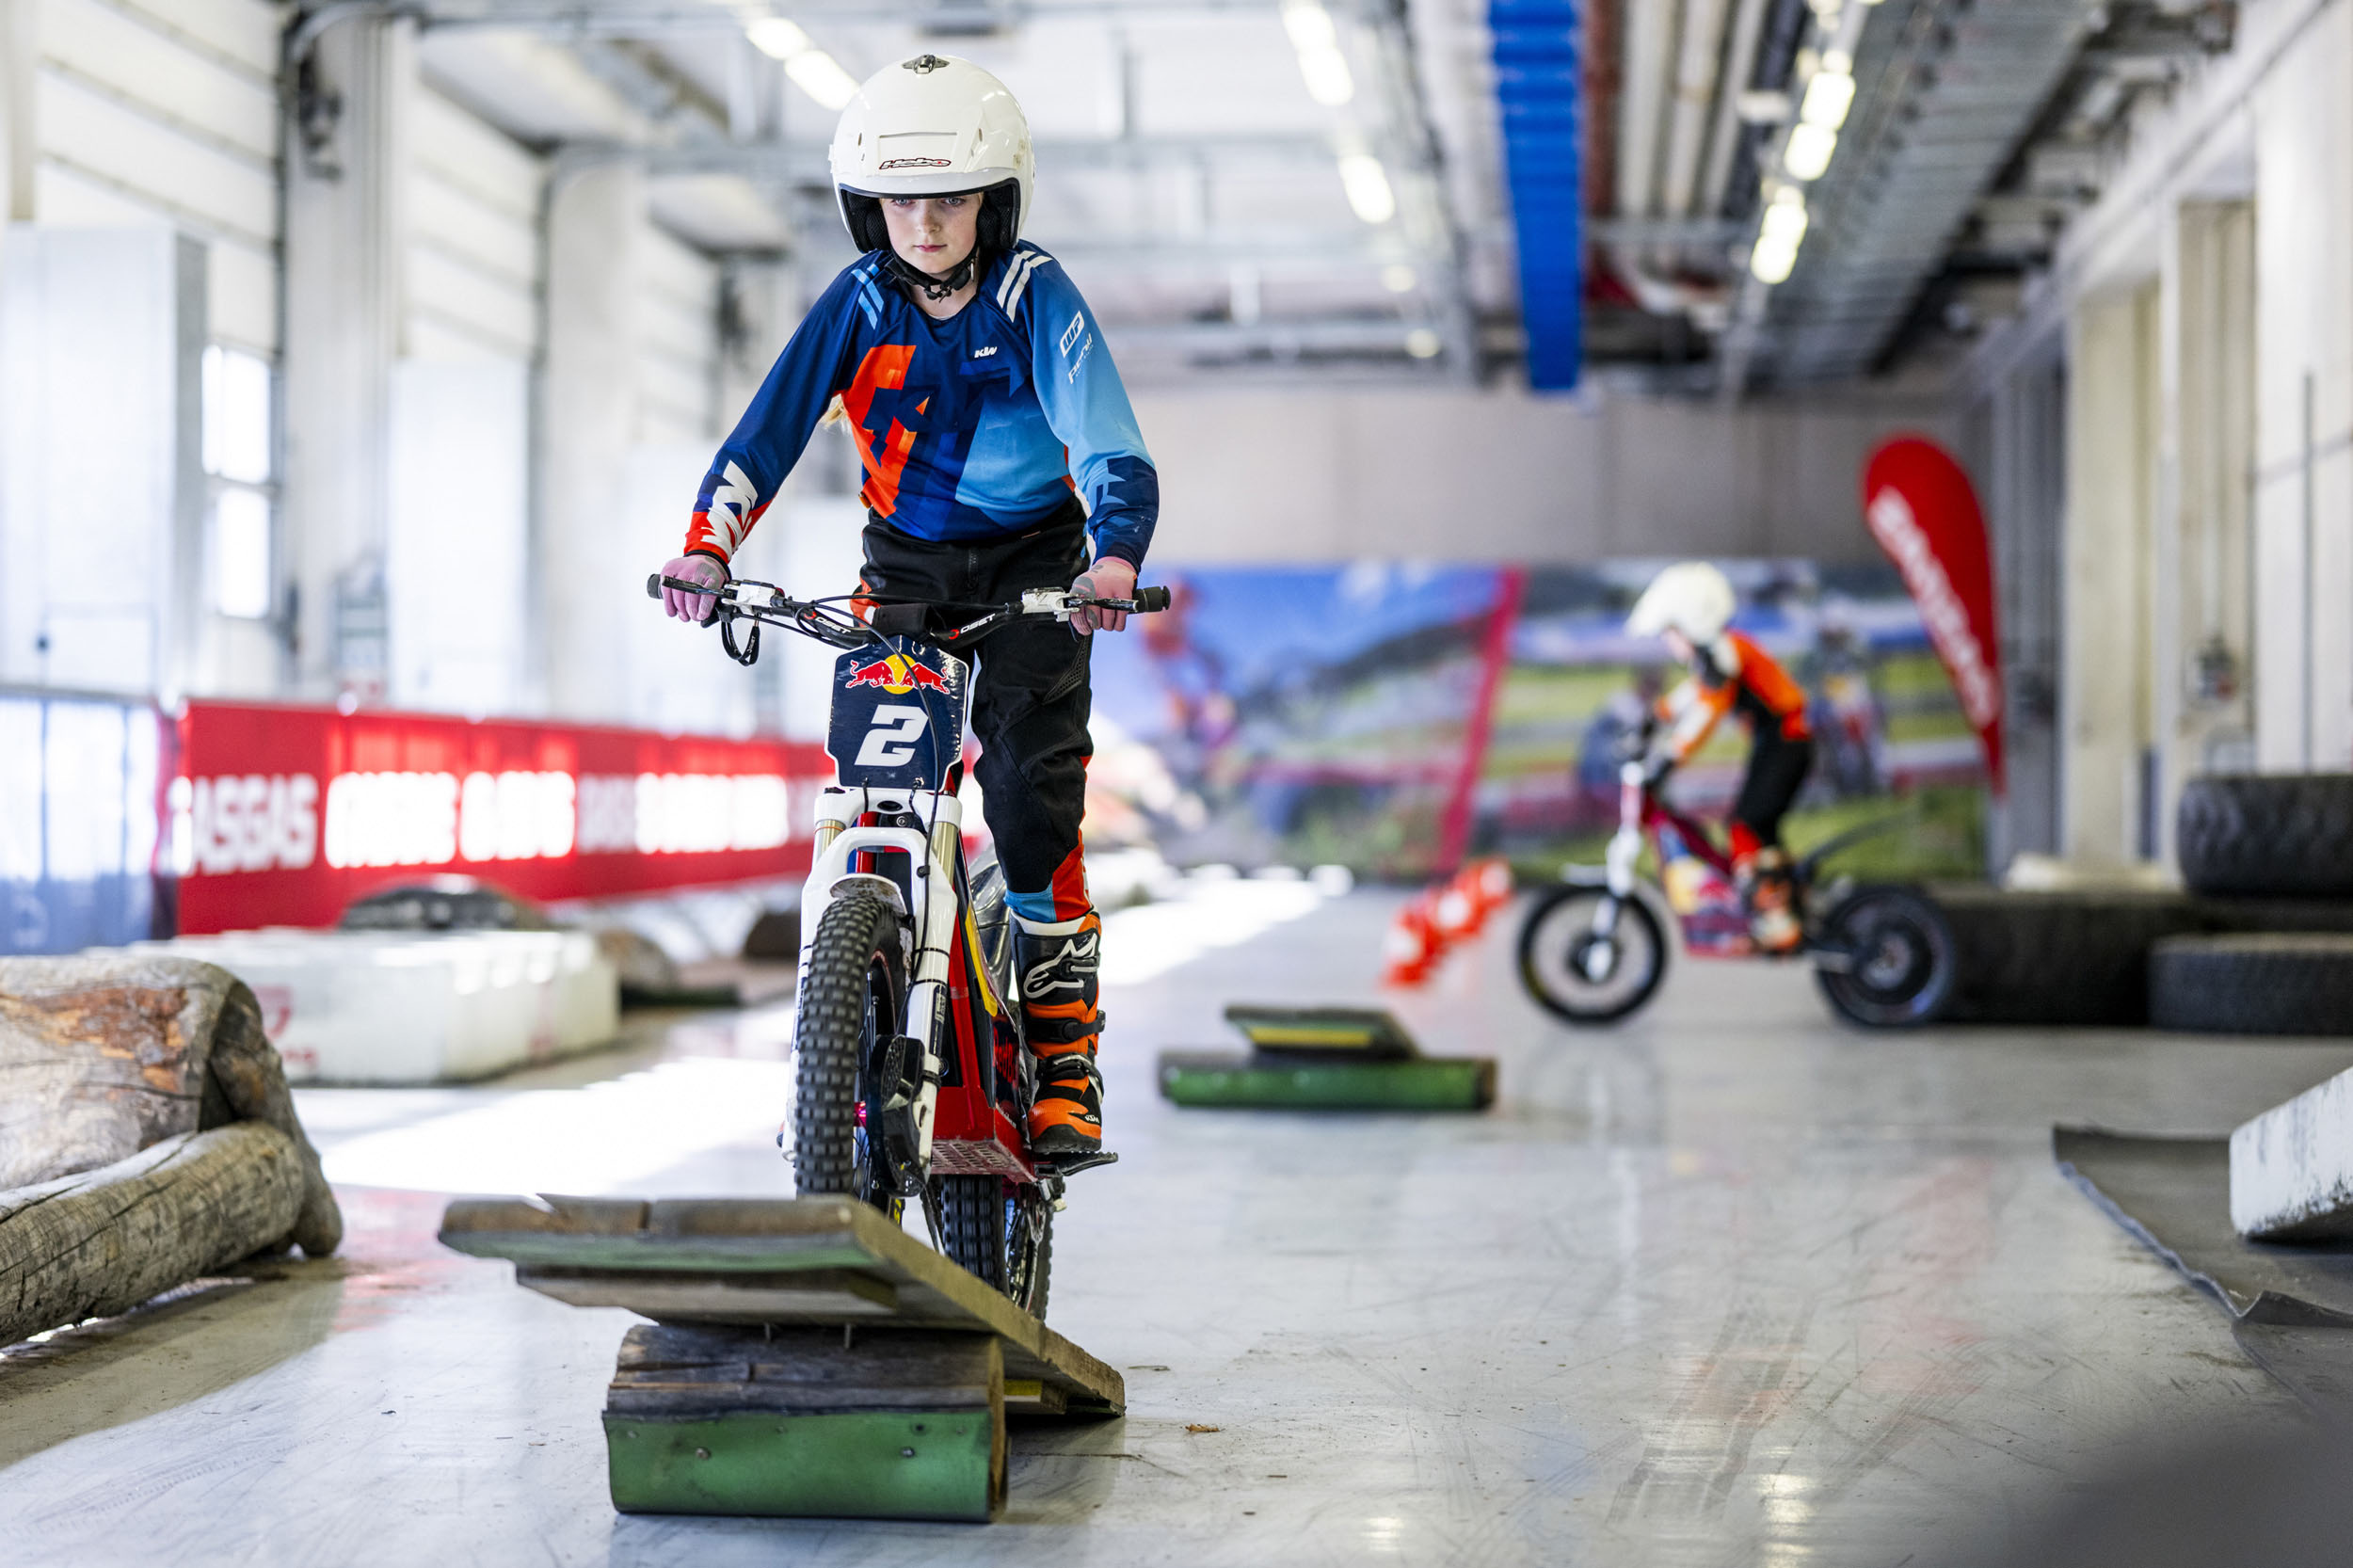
column 943, row 287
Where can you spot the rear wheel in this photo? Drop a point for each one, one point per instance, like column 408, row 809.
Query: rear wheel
column 999, row 1232
column 852, row 1000
column 1895, row 956
column 1574, row 971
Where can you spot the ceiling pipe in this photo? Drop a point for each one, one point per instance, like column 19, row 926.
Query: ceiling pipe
column 1649, row 28
column 1723, row 141
column 1698, row 60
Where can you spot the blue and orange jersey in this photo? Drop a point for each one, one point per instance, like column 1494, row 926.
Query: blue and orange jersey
column 974, row 427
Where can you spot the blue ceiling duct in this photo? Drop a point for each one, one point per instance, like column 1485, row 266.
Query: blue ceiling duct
column 1536, row 86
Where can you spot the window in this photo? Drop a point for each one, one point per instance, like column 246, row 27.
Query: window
column 239, row 454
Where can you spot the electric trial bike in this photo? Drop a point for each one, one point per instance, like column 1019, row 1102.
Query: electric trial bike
column 913, row 1078
column 1594, row 950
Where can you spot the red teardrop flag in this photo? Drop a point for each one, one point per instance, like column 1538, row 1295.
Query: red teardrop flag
column 1919, row 505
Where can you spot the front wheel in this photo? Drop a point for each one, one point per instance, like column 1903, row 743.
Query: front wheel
column 999, row 1232
column 852, row 1000
column 1893, row 956
column 1577, row 973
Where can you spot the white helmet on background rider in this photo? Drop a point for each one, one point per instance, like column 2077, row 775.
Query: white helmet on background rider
column 1691, row 596
column 934, row 125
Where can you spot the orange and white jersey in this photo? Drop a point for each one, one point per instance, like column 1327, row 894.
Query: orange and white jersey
column 1733, row 674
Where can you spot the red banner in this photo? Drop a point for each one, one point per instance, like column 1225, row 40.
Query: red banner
column 1919, row 505
column 284, row 815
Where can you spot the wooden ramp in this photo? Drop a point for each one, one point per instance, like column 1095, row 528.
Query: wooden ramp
column 811, row 1357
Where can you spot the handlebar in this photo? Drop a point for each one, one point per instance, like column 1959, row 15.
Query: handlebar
column 827, row 621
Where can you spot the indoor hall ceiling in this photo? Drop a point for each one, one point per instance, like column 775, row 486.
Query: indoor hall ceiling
column 1222, row 219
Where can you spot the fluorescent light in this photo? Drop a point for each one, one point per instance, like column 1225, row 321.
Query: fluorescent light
column 1310, row 26
column 1368, row 186
column 1784, row 223
column 1808, row 154
column 1827, row 98
column 1422, row 343
column 1771, row 262
column 1326, row 74
column 777, row 39
column 1320, row 63
column 821, row 77
column 1398, row 278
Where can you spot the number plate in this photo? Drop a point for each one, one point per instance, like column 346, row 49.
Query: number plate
column 898, row 716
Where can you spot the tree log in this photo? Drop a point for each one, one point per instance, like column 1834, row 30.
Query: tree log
column 103, row 1241
column 247, row 1074
column 101, row 1056
column 104, row 1055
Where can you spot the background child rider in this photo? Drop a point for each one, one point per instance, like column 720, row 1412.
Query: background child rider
column 1690, row 605
column 1001, row 455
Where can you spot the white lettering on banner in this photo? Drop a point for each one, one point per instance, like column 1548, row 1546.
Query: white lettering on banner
column 700, row 813
column 255, row 823
column 392, row 818
column 1899, row 533
column 243, row 822
column 516, row 816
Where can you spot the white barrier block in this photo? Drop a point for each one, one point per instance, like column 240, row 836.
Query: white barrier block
column 395, row 1007
column 2292, row 1168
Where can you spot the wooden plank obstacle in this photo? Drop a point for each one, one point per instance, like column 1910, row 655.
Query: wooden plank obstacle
column 806, row 1357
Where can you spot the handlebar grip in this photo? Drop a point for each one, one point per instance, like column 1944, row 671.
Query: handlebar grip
column 1151, row 599
column 654, row 586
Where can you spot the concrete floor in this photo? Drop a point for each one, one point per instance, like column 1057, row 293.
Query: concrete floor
column 1728, row 1286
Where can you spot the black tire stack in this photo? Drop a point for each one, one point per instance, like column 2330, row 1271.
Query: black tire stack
column 2270, row 857
column 2077, row 957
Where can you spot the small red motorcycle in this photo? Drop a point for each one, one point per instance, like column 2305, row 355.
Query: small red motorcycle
column 1594, row 950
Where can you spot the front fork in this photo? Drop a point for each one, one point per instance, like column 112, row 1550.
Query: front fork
column 1624, row 851
column 931, row 922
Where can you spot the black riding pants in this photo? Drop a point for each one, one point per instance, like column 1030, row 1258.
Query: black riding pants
column 1030, row 691
column 1777, row 770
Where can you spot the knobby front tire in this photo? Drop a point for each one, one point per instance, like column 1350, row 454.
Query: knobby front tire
column 854, row 994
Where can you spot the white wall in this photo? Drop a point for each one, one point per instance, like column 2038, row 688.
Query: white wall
column 101, row 480
column 457, row 553
column 1323, row 474
column 632, row 373
column 165, row 116
column 2303, row 482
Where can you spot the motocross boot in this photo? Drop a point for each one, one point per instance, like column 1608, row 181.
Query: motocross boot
column 1056, row 965
column 1767, row 890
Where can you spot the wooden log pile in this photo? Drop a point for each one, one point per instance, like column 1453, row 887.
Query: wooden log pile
column 146, row 1136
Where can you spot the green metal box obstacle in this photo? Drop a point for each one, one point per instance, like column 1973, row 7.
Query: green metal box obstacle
column 1325, row 1059
column 807, row 1356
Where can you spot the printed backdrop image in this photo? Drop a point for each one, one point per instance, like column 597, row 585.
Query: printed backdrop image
column 1390, row 717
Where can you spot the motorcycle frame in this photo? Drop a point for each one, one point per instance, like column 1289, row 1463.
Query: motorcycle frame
column 1719, row 927
column 961, row 1126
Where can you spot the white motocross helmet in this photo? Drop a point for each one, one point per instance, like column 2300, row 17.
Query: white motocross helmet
column 934, row 125
column 1692, row 597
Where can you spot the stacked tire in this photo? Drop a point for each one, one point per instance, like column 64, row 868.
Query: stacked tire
column 2076, row 958
column 2270, row 858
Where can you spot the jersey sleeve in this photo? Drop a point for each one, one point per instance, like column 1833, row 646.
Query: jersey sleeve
column 1087, row 407
column 1692, row 711
column 775, row 430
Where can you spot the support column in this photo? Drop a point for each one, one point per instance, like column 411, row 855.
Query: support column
column 2104, row 697
column 345, row 227
column 2200, row 660
column 594, row 219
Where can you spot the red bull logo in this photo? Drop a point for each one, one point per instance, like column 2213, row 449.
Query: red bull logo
column 898, row 675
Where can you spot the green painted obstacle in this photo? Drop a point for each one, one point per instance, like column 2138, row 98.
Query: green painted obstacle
column 1325, row 1059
